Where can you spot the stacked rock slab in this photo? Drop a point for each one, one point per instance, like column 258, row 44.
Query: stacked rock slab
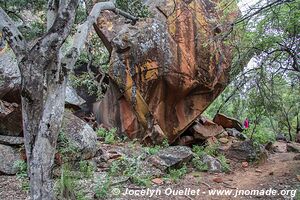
column 166, row 70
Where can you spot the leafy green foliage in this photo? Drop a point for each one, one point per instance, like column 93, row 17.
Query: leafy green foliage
column 131, row 168
column 176, row 174
column 212, row 150
column 108, row 135
column 102, row 189
column 267, row 90
column 199, row 164
column 134, row 7
column 22, row 175
column 65, row 147
column 69, row 186
column 154, row 149
column 86, row 168
column 224, row 164
column 85, row 80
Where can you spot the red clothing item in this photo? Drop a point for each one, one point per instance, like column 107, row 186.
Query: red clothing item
column 246, row 123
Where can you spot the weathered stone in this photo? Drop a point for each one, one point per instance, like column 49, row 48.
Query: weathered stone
column 244, row 151
column 281, row 137
column 213, row 164
column 10, row 119
column 8, row 158
column 235, row 133
column 293, row 147
column 162, row 73
column 297, row 157
column 10, row 140
column 223, row 140
column 280, row 147
column 72, row 98
column 10, row 81
column 170, row 157
column 80, row 136
column 186, row 140
column 206, row 130
column 228, row 122
column 223, row 135
column 10, row 78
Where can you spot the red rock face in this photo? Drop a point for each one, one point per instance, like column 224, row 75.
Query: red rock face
column 166, row 70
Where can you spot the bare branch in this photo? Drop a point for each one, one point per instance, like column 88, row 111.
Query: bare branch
column 60, row 30
column 84, row 29
column 14, row 37
column 52, row 12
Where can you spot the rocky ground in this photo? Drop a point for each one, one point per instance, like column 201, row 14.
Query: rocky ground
column 280, row 172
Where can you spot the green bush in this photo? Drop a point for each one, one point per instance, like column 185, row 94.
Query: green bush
column 176, row 174
column 135, row 7
column 108, row 135
column 22, row 175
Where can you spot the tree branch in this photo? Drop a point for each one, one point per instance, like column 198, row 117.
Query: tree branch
column 13, row 36
column 81, row 36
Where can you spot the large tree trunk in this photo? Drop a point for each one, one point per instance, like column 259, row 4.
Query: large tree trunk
column 43, row 96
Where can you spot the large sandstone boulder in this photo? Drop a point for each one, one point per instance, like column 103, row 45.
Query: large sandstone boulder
column 78, row 139
column 205, row 128
column 228, row 122
column 165, row 70
column 243, row 151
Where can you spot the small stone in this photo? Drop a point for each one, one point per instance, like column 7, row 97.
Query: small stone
column 298, row 177
column 213, row 164
column 297, row 157
column 218, row 180
column 223, row 134
column 196, row 174
column 293, row 147
column 158, row 181
column 258, row 171
column 245, row 164
column 211, row 141
column 223, row 140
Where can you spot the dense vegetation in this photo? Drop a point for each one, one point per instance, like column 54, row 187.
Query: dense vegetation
column 267, row 90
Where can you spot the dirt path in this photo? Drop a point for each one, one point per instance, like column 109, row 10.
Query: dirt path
column 278, row 173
